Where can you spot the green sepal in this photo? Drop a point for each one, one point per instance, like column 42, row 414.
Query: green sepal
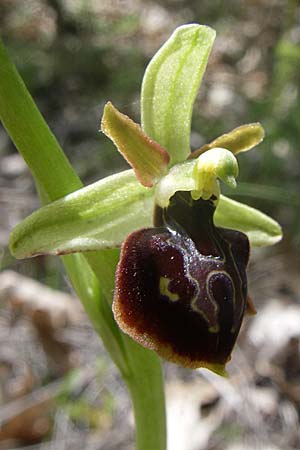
column 170, row 85
column 261, row 229
column 147, row 158
column 96, row 217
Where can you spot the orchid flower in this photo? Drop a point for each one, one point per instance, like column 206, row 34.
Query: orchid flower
column 181, row 286
column 158, row 241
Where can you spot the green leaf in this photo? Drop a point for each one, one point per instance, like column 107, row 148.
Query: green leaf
column 147, row 158
column 170, row 85
column 260, row 228
column 238, row 140
column 92, row 218
column 31, row 134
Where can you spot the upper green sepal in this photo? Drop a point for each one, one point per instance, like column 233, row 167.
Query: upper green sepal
column 170, row 85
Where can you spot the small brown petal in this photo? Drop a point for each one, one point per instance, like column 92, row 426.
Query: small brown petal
column 148, row 159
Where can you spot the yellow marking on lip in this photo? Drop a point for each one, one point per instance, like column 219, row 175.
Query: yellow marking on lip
column 164, row 289
column 214, row 329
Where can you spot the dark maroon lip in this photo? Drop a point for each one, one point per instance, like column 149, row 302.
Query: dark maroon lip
column 181, row 287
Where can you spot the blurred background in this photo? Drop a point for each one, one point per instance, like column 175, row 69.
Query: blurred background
column 58, row 388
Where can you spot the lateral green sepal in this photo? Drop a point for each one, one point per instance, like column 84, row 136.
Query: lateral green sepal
column 95, row 217
column 261, row 229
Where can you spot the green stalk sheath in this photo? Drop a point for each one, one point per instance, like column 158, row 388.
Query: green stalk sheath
column 144, row 381
column 146, row 389
column 55, row 178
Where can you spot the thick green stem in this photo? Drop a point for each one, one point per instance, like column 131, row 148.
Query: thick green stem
column 55, row 178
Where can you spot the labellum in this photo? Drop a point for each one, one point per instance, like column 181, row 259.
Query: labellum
column 181, row 287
